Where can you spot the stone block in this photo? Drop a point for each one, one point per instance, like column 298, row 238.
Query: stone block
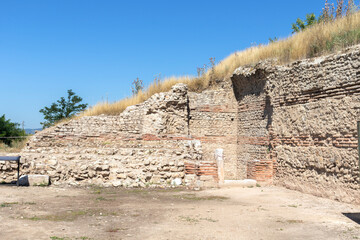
column 155, row 179
column 176, row 182
column 34, row 180
column 240, row 183
column 117, row 183
column 206, row 178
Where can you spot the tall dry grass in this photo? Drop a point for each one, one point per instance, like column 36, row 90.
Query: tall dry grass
column 15, row 146
column 317, row 40
column 156, row 87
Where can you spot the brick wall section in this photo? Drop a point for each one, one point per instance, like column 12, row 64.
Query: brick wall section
column 213, row 120
column 313, row 110
column 254, row 120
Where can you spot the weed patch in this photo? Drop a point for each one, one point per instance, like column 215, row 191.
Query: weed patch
column 193, row 197
column 209, row 219
column 69, row 216
column 293, row 205
column 189, row 219
column 8, row 204
column 59, row 238
column 101, row 199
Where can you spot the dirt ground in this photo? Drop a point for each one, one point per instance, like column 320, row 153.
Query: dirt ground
column 115, row 213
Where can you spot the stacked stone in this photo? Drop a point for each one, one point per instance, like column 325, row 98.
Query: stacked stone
column 311, row 109
column 146, row 145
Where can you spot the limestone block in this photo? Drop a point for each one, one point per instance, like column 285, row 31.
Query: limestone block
column 240, row 183
column 153, row 168
column 156, row 179
column 117, row 183
column 132, row 175
column 91, row 174
column 34, row 180
column 206, row 178
column 121, row 176
column 176, row 182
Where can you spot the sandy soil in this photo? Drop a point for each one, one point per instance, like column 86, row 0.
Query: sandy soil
column 228, row 213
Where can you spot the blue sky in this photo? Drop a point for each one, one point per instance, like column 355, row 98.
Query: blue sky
column 98, row 47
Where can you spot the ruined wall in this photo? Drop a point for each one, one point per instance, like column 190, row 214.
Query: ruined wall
column 148, row 144
column 171, row 135
column 8, row 169
column 213, row 121
column 316, row 109
column 294, row 125
column 254, row 120
column 311, row 108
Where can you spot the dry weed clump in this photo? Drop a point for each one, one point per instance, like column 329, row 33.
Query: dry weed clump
column 322, row 38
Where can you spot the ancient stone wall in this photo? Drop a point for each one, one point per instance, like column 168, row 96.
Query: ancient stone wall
column 148, row 144
column 294, row 125
column 310, row 112
column 8, row 169
column 314, row 136
column 170, row 136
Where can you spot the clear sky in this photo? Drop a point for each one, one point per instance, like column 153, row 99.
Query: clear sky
column 98, row 47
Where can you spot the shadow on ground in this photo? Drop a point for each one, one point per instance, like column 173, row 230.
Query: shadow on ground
column 353, row 216
column 8, row 184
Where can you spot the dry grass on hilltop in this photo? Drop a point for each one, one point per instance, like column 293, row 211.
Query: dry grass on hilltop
column 317, row 40
column 157, row 87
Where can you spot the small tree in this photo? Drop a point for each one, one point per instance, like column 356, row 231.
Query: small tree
column 272, row 40
column 301, row 25
column 328, row 14
column 9, row 129
column 63, row 108
column 137, row 86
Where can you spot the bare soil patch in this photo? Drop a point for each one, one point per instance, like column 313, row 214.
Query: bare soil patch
column 116, row 213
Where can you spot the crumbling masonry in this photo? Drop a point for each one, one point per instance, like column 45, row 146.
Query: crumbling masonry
column 292, row 125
